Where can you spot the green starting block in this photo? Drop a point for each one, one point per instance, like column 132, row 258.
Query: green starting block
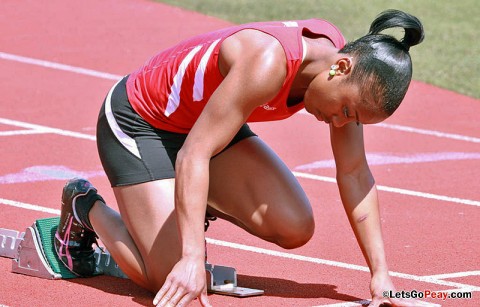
column 33, row 254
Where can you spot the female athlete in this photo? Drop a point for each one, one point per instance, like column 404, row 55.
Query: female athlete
column 174, row 143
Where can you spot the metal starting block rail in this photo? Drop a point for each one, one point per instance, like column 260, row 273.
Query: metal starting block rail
column 32, row 253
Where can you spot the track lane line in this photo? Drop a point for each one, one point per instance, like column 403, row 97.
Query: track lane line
column 273, row 253
column 22, row 205
column 109, row 76
column 454, row 275
column 45, row 129
column 335, row 263
column 397, row 190
column 21, row 132
column 58, row 66
column 439, row 134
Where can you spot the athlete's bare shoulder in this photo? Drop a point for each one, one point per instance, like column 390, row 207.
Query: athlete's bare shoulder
column 253, row 48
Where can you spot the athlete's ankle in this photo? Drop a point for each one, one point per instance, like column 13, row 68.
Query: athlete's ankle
column 84, row 206
column 94, row 212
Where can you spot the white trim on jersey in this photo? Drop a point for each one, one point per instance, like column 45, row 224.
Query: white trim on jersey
column 290, row 24
column 174, row 97
column 200, row 73
column 124, row 139
column 304, row 45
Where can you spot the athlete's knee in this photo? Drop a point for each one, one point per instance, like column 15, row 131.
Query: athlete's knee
column 297, row 232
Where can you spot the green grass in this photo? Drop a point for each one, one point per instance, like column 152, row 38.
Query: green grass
column 449, row 57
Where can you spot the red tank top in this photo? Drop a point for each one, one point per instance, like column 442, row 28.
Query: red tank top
column 171, row 89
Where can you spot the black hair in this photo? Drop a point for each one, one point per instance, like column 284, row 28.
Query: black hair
column 382, row 63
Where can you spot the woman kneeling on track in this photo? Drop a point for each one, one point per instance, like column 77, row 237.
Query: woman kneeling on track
column 174, row 143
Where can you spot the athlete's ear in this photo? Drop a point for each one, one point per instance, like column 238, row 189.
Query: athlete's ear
column 344, row 65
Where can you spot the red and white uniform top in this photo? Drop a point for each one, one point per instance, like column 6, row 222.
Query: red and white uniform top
column 171, row 89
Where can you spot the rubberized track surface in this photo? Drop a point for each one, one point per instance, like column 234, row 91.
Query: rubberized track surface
column 57, row 62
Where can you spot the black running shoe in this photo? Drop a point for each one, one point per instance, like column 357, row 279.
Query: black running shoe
column 73, row 240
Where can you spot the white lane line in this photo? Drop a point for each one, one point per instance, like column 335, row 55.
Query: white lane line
column 398, row 190
column 430, row 196
column 26, row 206
column 439, row 134
column 455, row 275
column 21, row 132
column 58, row 66
column 104, row 75
column 338, row 264
column 268, row 252
column 45, row 129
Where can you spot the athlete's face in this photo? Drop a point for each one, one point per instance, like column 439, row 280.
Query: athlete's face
column 336, row 102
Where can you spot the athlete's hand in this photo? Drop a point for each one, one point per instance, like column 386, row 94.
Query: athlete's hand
column 186, row 281
column 380, row 285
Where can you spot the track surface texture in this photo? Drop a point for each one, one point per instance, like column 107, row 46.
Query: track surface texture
column 59, row 58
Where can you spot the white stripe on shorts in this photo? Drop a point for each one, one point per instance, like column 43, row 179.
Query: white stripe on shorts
column 124, row 139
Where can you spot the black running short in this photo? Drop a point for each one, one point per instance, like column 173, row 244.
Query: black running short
column 131, row 150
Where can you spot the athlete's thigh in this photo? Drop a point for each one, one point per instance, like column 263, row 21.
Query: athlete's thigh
column 251, row 185
column 148, row 212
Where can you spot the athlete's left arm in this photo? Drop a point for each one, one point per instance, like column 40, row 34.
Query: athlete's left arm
column 359, row 196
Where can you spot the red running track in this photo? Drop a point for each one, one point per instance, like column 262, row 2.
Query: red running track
column 425, row 160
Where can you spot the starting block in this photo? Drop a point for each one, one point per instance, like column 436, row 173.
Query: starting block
column 33, row 254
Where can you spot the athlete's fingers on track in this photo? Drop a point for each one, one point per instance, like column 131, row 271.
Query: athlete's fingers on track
column 181, row 298
column 164, row 294
column 204, row 299
column 375, row 303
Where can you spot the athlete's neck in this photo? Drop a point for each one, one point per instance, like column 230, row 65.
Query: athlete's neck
column 321, row 54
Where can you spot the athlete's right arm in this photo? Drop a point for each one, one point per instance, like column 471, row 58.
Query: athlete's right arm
column 254, row 67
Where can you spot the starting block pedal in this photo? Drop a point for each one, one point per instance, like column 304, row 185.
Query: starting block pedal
column 223, row 280
column 33, row 254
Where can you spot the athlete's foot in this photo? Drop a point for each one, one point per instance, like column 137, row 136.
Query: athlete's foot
column 73, row 238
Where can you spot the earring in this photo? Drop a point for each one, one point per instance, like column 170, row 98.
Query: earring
column 333, row 70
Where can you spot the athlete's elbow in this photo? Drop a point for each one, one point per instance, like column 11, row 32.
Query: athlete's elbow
column 188, row 158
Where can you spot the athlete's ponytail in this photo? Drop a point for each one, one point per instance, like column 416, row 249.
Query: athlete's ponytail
column 394, row 19
column 383, row 68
